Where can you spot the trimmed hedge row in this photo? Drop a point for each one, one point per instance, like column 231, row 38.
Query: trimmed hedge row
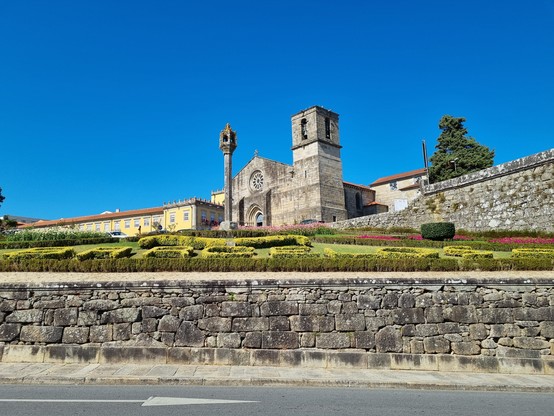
column 105, row 253
column 291, row 251
column 403, row 252
column 228, row 251
column 55, row 253
column 475, row 245
column 330, row 253
column 11, row 245
column 198, row 243
column 173, row 252
column 533, row 252
column 466, row 252
column 298, row 263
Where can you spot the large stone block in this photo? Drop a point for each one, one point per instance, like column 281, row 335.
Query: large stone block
column 169, row 323
column 101, row 333
column 388, row 339
column 9, row 332
column 364, row 340
column 122, row 332
column 529, row 343
column 215, row 324
column 496, row 315
column 75, row 335
column 406, row 301
column 188, row 335
column 250, row 324
column 534, row 314
column 478, row 331
column 252, row 340
column 547, row 329
column 333, row 340
column 100, row 305
column 65, row 317
column 350, row 322
column 436, row 345
column 122, row 315
column 465, row 348
column 25, row 316
column 236, row 309
column 461, row 314
column 434, row 314
column 229, row 340
column 42, row 334
column 153, row 311
column 280, row 340
column 303, row 323
column 408, row 316
column 279, row 308
column 426, row 330
column 313, row 309
column 192, row 313
column 369, row 302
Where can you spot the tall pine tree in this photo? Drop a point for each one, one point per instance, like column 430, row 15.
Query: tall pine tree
column 456, row 153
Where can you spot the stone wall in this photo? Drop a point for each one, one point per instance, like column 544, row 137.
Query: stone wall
column 517, row 195
column 484, row 324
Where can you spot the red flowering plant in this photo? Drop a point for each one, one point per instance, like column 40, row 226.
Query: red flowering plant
column 522, row 240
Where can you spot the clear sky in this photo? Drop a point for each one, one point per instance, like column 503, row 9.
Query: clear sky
column 118, row 104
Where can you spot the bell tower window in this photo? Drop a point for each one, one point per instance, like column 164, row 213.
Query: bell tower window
column 304, row 128
column 327, row 128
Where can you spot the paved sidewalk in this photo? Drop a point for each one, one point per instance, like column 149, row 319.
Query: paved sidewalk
column 45, row 373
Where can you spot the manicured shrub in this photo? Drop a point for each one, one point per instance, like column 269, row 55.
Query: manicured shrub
column 105, row 253
column 8, row 245
column 402, row 252
column 291, row 251
column 58, row 253
column 173, row 252
column 228, row 251
column 533, row 253
column 330, row 253
column 438, row 231
column 274, row 241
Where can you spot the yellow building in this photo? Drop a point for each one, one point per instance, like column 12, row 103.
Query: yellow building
column 191, row 214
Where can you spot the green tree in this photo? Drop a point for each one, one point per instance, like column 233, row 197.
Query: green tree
column 456, row 153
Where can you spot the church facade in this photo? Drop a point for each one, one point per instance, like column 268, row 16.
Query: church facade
column 266, row 192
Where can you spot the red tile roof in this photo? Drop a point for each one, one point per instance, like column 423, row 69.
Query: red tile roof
column 98, row 217
column 387, row 179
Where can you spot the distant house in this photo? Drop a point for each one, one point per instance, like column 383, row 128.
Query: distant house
column 396, row 191
column 190, row 214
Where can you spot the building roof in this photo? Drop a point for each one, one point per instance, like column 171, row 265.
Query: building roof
column 355, row 185
column 98, row 217
column 387, row 179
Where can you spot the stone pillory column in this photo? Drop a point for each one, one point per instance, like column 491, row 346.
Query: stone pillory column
column 228, row 144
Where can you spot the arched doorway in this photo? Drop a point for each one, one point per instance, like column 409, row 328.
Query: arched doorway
column 255, row 216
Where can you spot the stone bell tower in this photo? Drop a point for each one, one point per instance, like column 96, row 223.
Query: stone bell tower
column 228, row 144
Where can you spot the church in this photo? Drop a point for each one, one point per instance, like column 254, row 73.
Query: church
column 266, row 192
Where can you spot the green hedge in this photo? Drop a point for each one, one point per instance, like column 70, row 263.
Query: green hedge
column 467, row 252
column 330, row 253
column 274, row 241
column 173, row 252
column 105, row 253
column 11, row 245
column 291, row 251
column 56, row 253
column 438, row 231
column 402, row 252
column 228, row 251
column 215, row 264
column 533, row 252
column 198, row 243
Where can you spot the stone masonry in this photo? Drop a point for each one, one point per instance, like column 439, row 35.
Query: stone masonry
column 487, row 318
column 517, row 195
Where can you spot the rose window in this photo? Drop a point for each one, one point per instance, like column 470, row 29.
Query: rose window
column 257, row 181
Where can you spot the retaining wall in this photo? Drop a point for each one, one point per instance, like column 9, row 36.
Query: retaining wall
column 497, row 322
column 518, row 195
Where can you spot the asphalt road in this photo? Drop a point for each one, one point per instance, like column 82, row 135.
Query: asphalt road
column 19, row 400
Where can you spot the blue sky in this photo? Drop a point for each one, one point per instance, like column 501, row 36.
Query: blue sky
column 119, row 104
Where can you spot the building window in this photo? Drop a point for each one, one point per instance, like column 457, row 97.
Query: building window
column 327, row 128
column 358, row 201
column 89, row 227
column 334, row 218
column 97, row 227
column 127, row 223
column 304, row 128
column 220, row 218
column 146, row 222
column 81, row 227
column 172, row 218
column 204, row 217
column 106, row 226
column 137, row 222
column 393, row 186
column 186, row 216
column 116, row 225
